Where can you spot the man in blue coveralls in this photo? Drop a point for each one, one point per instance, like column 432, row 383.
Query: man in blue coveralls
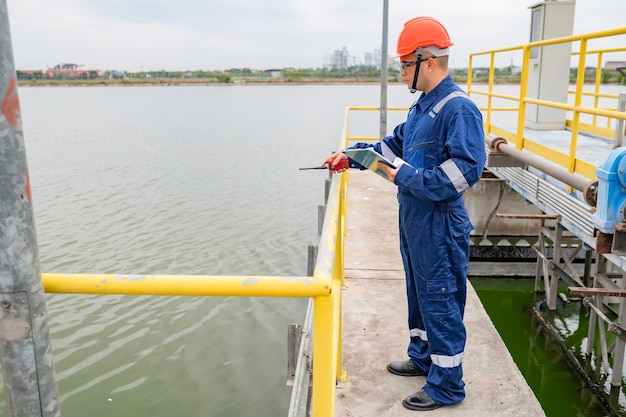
column 439, row 153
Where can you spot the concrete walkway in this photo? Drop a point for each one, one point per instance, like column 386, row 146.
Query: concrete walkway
column 375, row 330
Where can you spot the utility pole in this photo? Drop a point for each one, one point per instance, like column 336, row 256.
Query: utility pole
column 384, row 60
column 25, row 352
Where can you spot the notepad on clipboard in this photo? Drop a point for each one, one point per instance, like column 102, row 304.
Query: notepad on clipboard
column 369, row 158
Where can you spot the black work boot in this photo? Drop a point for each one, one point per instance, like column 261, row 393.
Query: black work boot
column 420, row 401
column 405, row 368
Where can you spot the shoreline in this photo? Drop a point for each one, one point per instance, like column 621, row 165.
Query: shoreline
column 238, row 82
column 189, row 81
column 232, row 82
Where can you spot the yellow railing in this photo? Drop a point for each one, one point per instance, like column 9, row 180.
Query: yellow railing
column 568, row 160
column 346, row 123
column 594, row 128
column 325, row 287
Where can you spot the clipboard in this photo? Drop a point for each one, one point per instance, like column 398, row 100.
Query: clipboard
column 369, row 158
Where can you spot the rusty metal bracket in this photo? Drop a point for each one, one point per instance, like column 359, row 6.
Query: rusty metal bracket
column 619, row 239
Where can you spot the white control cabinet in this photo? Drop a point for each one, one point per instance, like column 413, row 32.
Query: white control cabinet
column 548, row 77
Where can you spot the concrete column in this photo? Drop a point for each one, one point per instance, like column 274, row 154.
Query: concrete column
column 25, row 352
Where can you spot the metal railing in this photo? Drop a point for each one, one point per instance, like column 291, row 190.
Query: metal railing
column 346, row 129
column 325, row 287
column 568, row 160
column 594, row 127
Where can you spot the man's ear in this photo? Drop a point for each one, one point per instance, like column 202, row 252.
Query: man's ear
column 431, row 64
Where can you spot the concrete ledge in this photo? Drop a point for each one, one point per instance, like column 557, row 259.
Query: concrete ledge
column 375, row 330
column 502, row 269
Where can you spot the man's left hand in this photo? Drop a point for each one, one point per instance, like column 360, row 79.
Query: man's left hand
column 391, row 172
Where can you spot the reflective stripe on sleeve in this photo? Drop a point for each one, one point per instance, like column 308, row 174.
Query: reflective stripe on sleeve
column 419, row 333
column 454, row 175
column 444, row 361
column 444, row 100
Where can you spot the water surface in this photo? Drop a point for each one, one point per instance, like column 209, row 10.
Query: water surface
column 178, row 180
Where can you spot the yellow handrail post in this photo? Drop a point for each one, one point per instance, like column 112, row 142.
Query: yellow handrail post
column 580, row 79
column 521, row 114
column 469, row 75
column 492, row 70
column 342, row 231
column 340, row 274
column 323, row 401
column 346, row 124
column 337, row 329
column 596, row 96
column 340, row 373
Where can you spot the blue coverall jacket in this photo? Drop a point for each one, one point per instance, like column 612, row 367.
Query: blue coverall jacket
column 442, row 143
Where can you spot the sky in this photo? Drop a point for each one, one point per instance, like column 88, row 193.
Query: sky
column 144, row 35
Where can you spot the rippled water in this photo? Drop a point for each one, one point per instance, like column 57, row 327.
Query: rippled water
column 179, row 180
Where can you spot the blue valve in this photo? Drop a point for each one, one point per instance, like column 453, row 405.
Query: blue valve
column 611, row 198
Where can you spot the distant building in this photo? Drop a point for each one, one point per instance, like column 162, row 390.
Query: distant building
column 341, row 59
column 372, row 59
column 117, row 74
column 72, row 72
column 66, row 67
column 337, row 60
column 274, row 73
column 478, row 72
column 611, row 65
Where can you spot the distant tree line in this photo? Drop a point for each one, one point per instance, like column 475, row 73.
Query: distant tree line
column 48, row 75
column 513, row 75
column 30, row 75
column 214, row 76
column 508, row 74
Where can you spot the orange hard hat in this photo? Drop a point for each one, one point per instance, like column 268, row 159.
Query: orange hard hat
column 421, row 32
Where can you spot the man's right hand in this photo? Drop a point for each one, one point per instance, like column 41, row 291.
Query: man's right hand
column 338, row 162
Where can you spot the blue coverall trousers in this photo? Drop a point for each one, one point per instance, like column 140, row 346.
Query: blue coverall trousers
column 434, row 242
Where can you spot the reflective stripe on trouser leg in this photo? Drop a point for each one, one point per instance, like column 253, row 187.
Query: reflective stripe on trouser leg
column 419, row 333
column 444, row 361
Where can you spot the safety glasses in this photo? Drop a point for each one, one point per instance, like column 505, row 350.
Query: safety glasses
column 407, row 64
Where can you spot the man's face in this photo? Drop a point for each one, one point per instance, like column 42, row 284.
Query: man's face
column 409, row 65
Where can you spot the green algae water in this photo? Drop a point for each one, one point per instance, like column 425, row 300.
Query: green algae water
column 561, row 391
